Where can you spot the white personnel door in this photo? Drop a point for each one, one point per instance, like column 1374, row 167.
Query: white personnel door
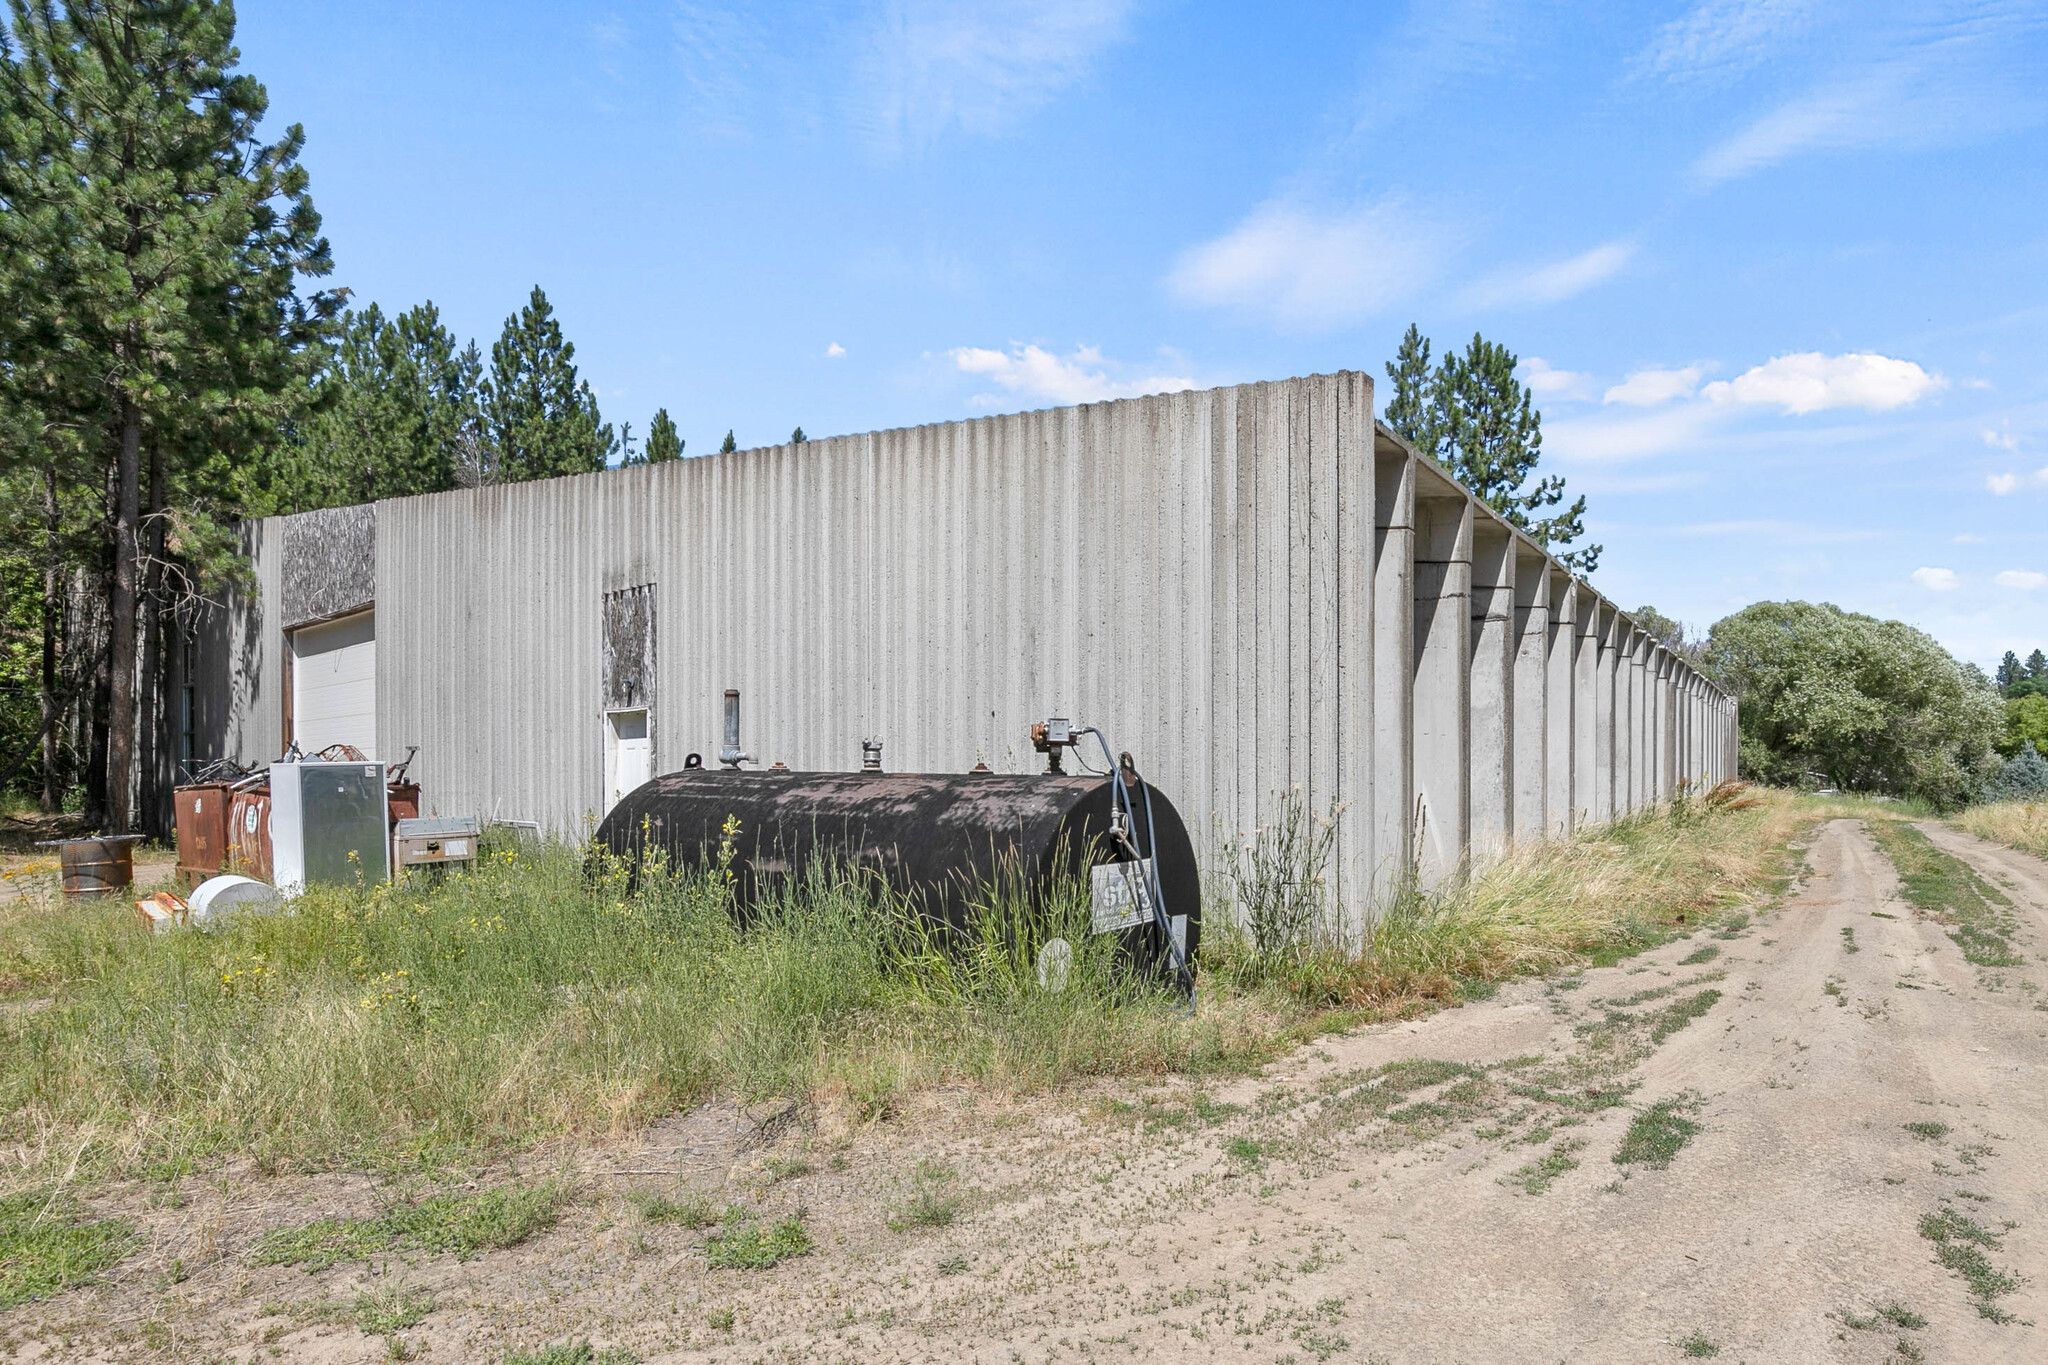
column 632, row 753
column 334, row 684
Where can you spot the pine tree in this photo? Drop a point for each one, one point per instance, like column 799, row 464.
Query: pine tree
column 2037, row 667
column 1476, row 419
column 662, row 442
column 2010, row 671
column 796, row 438
column 162, row 245
column 1410, row 411
column 728, row 446
column 389, row 413
column 542, row 421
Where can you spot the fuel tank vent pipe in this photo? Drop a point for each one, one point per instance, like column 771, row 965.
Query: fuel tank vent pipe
column 732, row 755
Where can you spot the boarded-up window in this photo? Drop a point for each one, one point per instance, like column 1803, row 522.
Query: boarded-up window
column 629, row 648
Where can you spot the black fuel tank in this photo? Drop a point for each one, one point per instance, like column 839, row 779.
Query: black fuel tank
column 932, row 837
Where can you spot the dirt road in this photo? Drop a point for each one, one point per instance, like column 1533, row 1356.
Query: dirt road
column 1816, row 1108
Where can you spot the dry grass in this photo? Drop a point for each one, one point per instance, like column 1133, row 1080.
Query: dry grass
column 2016, row 824
column 1612, row 891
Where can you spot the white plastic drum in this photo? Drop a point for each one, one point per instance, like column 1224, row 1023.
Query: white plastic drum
column 216, row 900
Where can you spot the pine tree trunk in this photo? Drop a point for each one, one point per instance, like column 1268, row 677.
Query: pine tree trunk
column 121, row 622
column 150, row 701
column 93, row 721
column 53, row 606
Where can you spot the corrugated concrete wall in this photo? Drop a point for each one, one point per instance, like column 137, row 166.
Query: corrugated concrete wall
column 1252, row 589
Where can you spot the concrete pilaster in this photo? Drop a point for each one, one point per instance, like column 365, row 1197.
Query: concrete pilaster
column 1559, row 797
column 1393, row 665
column 1443, row 676
column 1586, row 710
column 1532, row 694
column 1493, row 680
column 1606, row 671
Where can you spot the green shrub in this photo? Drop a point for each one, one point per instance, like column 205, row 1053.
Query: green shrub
column 2024, row 776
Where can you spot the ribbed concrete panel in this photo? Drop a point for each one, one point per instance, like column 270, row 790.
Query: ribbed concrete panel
column 242, row 690
column 1195, row 573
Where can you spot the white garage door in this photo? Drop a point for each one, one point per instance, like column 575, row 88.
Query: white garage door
column 334, row 684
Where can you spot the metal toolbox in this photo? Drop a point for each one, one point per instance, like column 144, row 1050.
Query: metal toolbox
column 437, row 839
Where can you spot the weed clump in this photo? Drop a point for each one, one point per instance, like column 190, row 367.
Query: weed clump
column 1657, row 1133
column 47, row 1246
column 1536, row 1177
column 745, row 1243
column 465, row 1224
column 933, row 1201
column 1960, row 1243
column 690, row 1209
column 391, row 1309
column 573, row 1353
column 1678, row 1014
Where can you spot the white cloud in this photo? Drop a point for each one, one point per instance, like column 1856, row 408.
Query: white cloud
column 2001, row 440
column 2021, row 578
column 1721, row 38
column 1840, row 117
column 1552, row 283
column 835, row 350
column 1924, row 76
column 902, row 74
column 1031, row 372
column 1937, row 580
column 1648, row 388
column 1546, row 382
column 2002, row 484
column 1967, row 538
column 979, row 64
column 1303, row 267
column 1812, row 382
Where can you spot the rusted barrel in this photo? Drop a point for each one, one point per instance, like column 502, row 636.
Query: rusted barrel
column 96, row 867
column 249, row 834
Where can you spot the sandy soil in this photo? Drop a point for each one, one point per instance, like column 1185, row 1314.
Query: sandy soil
column 1332, row 1209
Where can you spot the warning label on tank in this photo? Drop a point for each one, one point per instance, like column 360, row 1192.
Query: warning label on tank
column 1121, row 894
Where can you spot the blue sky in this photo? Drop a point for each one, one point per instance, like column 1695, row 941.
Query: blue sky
column 1777, row 269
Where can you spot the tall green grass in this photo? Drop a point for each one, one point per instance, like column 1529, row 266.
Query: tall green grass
column 523, row 998
column 526, row 998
